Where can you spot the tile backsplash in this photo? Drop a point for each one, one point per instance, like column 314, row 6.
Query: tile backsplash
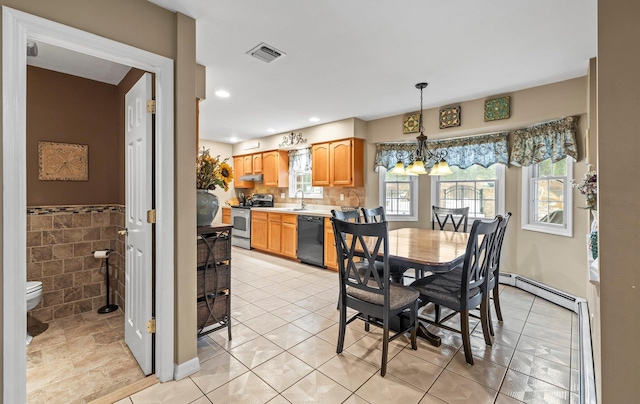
column 60, row 245
column 353, row 196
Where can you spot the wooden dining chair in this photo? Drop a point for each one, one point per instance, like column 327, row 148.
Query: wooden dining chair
column 374, row 215
column 457, row 216
column 370, row 293
column 494, row 270
column 464, row 288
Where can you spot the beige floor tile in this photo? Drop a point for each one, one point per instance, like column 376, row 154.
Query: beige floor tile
column 548, row 309
column 237, row 302
column 181, row 392
column 47, row 374
column 487, row 373
column 254, row 295
column 87, row 329
column 545, row 350
column 279, row 400
column 312, row 303
column 263, row 283
column 514, row 313
column 429, row 399
column 240, row 334
column 453, row 388
column 440, row 356
column 369, row 348
column 348, row 370
column 529, row 389
column 124, row 401
column 241, row 287
column 201, row 400
column 389, row 389
column 504, row 399
column 560, row 324
column 246, row 312
column 272, row 303
column 509, row 324
column 313, row 323
column 255, row 352
column 502, row 337
column 330, row 311
column 287, row 336
column 217, row 371
column 291, row 312
column 314, row 351
column 265, row 323
column 542, row 369
column 316, row 387
column 98, row 358
column 74, row 388
column 496, row 353
column 208, row 348
column 293, row 295
column 282, row 371
column 547, row 334
column 413, row 370
column 351, row 335
column 355, row 399
column 246, row 389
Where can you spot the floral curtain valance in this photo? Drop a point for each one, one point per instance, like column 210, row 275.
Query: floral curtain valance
column 554, row 140
column 300, row 160
column 463, row 152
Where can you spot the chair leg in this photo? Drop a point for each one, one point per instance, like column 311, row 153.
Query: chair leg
column 491, row 330
column 466, row 338
column 485, row 320
column 437, row 308
column 366, row 325
column 385, row 349
column 414, row 330
column 496, row 301
column 342, row 327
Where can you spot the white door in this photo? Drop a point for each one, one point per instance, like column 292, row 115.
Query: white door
column 138, row 166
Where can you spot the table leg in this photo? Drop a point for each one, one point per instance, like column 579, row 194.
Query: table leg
column 428, row 335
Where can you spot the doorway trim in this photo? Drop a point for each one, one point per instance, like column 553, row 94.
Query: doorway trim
column 16, row 27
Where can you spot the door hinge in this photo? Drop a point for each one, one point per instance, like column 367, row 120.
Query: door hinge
column 151, row 106
column 151, row 216
column 151, row 326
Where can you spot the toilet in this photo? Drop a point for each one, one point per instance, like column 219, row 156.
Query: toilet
column 34, row 293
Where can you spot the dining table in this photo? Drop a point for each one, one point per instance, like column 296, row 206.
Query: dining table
column 425, row 250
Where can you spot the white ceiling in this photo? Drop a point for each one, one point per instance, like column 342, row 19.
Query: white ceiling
column 63, row 60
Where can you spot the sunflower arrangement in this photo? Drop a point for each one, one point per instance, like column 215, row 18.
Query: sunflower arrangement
column 211, row 172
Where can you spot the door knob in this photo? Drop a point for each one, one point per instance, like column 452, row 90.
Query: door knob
column 124, row 232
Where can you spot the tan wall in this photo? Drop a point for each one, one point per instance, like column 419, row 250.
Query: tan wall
column 557, row 261
column 68, row 109
column 619, row 195
column 144, row 25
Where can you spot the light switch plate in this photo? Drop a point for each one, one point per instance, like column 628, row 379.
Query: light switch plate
column 342, row 197
column 282, row 195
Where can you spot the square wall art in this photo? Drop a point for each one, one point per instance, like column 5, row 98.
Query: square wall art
column 411, row 123
column 497, row 108
column 63, row 161
column 449, row 117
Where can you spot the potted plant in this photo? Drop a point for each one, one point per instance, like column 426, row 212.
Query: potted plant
column 211, row 172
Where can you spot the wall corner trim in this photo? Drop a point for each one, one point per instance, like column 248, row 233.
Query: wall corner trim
column 184, row 369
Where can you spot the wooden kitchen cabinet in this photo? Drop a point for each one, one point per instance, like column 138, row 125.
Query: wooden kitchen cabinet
column 256, row 163
column 247, row 164
column 274, row 242
column 330, row 254
column 275, row 168
column 259, row 230
column 290, row 236
column 238, row 171
column 226, row 215
column 339, row 163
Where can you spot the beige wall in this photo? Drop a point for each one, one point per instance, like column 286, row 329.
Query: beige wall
column 146, row 26
column 619, row 195
column 554, row 260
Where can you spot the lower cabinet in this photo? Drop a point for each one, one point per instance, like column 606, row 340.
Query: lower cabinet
column 330, row 254
column 226, row 215
column 275, row 232
column 259, row 230
column 274, row 243
column 290, row 236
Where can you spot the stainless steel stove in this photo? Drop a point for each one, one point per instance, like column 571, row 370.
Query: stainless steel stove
column 241, row 219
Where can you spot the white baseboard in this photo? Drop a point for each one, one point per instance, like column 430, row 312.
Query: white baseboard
column 579, row 306
column 184, row 369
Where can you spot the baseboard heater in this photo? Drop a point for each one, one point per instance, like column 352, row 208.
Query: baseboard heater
column 577, row 305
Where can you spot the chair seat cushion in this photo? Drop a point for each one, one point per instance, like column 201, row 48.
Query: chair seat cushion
column 399, row 296
column 443, row 289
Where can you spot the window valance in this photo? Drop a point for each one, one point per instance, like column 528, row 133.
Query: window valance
column 554, row 140
column 300, row 160
column 464, row 152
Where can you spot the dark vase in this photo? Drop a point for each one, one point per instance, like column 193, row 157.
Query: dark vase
column 206, row 207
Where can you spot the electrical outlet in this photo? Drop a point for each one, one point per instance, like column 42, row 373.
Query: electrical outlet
column 282, row 195
column 342, row 197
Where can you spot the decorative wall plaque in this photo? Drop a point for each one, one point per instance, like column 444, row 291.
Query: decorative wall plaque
column 449, row 117
column 497, row 108
column 63, row 162
column 411, row 123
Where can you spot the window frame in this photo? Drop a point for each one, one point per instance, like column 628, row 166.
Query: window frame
column 413, row 191
column 293, row 188
column 527, row 222
column 500, row 191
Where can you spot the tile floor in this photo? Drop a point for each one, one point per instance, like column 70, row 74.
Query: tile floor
column 284, row 341
column 78, row 359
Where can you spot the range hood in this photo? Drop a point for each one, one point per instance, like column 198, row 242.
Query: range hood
column 251, row 177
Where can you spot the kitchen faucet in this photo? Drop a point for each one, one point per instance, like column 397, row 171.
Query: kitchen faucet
column 303, row 205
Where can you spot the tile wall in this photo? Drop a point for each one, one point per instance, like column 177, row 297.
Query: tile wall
column 60, row 245
column 352, row 196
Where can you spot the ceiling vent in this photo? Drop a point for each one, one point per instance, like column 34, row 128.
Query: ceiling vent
column 266, row 53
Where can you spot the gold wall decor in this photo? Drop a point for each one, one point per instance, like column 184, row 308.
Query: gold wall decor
column 63, row 161
column 497, row 108
column 411, row 123
column 449, row 117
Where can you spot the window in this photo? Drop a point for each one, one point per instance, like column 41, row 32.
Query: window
column 302, row 180
column 547, row 197
column 481, row 189
column 398, row 195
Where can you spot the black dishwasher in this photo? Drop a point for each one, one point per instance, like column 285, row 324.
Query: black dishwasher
column 311, row 240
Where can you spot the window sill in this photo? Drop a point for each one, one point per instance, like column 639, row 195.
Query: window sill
column 556, row 231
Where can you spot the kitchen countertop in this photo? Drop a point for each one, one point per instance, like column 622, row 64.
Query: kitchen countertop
column 296, row 211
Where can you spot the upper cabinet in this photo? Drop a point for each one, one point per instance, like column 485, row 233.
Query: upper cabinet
column 339, row 163
column 239, row 171
column 257, row 163
column 275, row 168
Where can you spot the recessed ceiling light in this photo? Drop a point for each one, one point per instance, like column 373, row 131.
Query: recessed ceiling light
column 314, row 119
column 271, row 130
column 233, row 139
column 222, row 93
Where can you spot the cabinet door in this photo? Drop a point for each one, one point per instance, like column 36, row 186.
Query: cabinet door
column 341, row 163
column 226, row 215
column 259, row 234
column 290, row 236
column 270, row 169
column 257, row 163
column 275, row 233
column 248, row 164
column 330, row 254
column 238, row 171
column 320, row 164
